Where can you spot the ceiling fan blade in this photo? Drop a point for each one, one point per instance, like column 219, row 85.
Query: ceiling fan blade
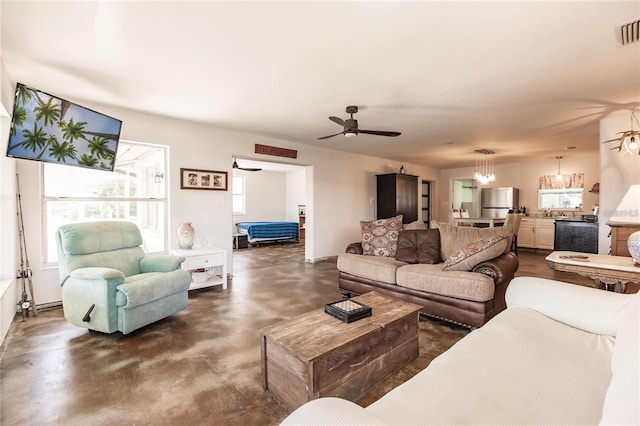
column 247, row 169
column 337, row 120
column 380, row 133
column 330, row 136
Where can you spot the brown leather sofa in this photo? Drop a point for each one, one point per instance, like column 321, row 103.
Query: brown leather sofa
column 449, row 299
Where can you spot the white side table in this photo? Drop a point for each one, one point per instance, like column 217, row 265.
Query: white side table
column 211, row 259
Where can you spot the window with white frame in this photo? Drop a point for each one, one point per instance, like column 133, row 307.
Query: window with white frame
column 135, row 191
column 238, row 194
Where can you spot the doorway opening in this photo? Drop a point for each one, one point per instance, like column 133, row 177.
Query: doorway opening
column 265, row 191
column 464, row 195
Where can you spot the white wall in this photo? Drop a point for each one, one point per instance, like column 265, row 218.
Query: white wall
column 9, row 264
column 618, row 173
column 265, row 196
column 296, row 193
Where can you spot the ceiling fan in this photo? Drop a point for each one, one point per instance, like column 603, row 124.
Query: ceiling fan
column 350, row 126
column 247, row 169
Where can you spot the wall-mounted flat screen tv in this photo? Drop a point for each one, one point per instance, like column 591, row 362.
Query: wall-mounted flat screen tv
column 51, row 129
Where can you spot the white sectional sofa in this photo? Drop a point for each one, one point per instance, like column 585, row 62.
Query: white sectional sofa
column 559, row 354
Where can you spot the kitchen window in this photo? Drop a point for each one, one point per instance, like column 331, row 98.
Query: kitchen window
column 135, row 191
column 561, row 192
column 559, row 199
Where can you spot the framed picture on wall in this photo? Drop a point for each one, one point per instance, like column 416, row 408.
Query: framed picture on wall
column 203, row 179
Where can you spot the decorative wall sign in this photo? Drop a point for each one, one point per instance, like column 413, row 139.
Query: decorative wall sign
column 203, row 179
column 276, row 151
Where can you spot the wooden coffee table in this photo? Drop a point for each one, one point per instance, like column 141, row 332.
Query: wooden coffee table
column 316, row 355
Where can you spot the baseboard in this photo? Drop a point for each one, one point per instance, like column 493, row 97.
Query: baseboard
column 321, row 259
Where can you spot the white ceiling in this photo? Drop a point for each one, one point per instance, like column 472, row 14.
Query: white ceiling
column 522, row 78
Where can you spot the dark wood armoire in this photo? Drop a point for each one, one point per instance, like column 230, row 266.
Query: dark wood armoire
column 397, row 194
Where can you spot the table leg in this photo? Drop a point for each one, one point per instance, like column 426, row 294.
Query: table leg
column 616, row 286
column 620, row 287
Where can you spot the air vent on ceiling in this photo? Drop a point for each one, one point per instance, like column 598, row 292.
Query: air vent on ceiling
column 628, row 33
column 571, row 148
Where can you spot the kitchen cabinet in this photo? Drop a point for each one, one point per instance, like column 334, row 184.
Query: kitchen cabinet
column 536, row 233
column 545, row 233
column 397, row 194
column 526, row 233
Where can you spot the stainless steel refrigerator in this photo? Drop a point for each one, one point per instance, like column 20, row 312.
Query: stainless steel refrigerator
column 496, row 202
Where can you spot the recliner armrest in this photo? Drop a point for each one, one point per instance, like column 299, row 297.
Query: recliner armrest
column 95, row 273
column 163, row 263
column 354, row 248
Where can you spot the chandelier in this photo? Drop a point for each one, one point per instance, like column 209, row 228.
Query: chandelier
column 485, row 172
column 629, row 140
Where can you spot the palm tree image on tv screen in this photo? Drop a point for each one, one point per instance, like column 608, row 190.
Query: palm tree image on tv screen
column 50, row 129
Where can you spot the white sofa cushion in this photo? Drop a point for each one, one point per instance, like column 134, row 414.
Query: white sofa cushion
column 331, row 411
column 623, row 395
column 378, row 268
column 460, row 284
column 519, row 368
column 592, row 310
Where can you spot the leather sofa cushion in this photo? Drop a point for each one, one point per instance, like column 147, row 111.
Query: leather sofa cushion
column 419, row 246
column 376, row 268
column 458, row 284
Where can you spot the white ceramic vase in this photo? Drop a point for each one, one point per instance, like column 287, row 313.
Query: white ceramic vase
column 633, row 243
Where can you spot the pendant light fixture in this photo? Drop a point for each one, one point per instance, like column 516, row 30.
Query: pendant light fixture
column 485, row 171
column 629, row 140
column 559, row 175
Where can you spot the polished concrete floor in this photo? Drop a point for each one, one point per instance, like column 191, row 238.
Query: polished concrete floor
column 200, row 366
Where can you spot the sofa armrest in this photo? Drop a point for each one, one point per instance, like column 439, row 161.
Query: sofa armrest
column 354, row 248
column 331, row 411
column 589, row 309
column 162, row 263
column 500, row 268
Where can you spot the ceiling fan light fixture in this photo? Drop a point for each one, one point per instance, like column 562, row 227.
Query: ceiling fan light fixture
column 628, row 141
column 350, row 127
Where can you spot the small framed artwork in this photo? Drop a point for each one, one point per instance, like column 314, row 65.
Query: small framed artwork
column 203, row 179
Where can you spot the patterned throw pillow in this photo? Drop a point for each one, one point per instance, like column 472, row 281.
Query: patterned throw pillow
column 380, row 237
column 475, row 252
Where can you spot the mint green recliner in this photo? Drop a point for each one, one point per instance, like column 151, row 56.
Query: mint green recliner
column 107, row 282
